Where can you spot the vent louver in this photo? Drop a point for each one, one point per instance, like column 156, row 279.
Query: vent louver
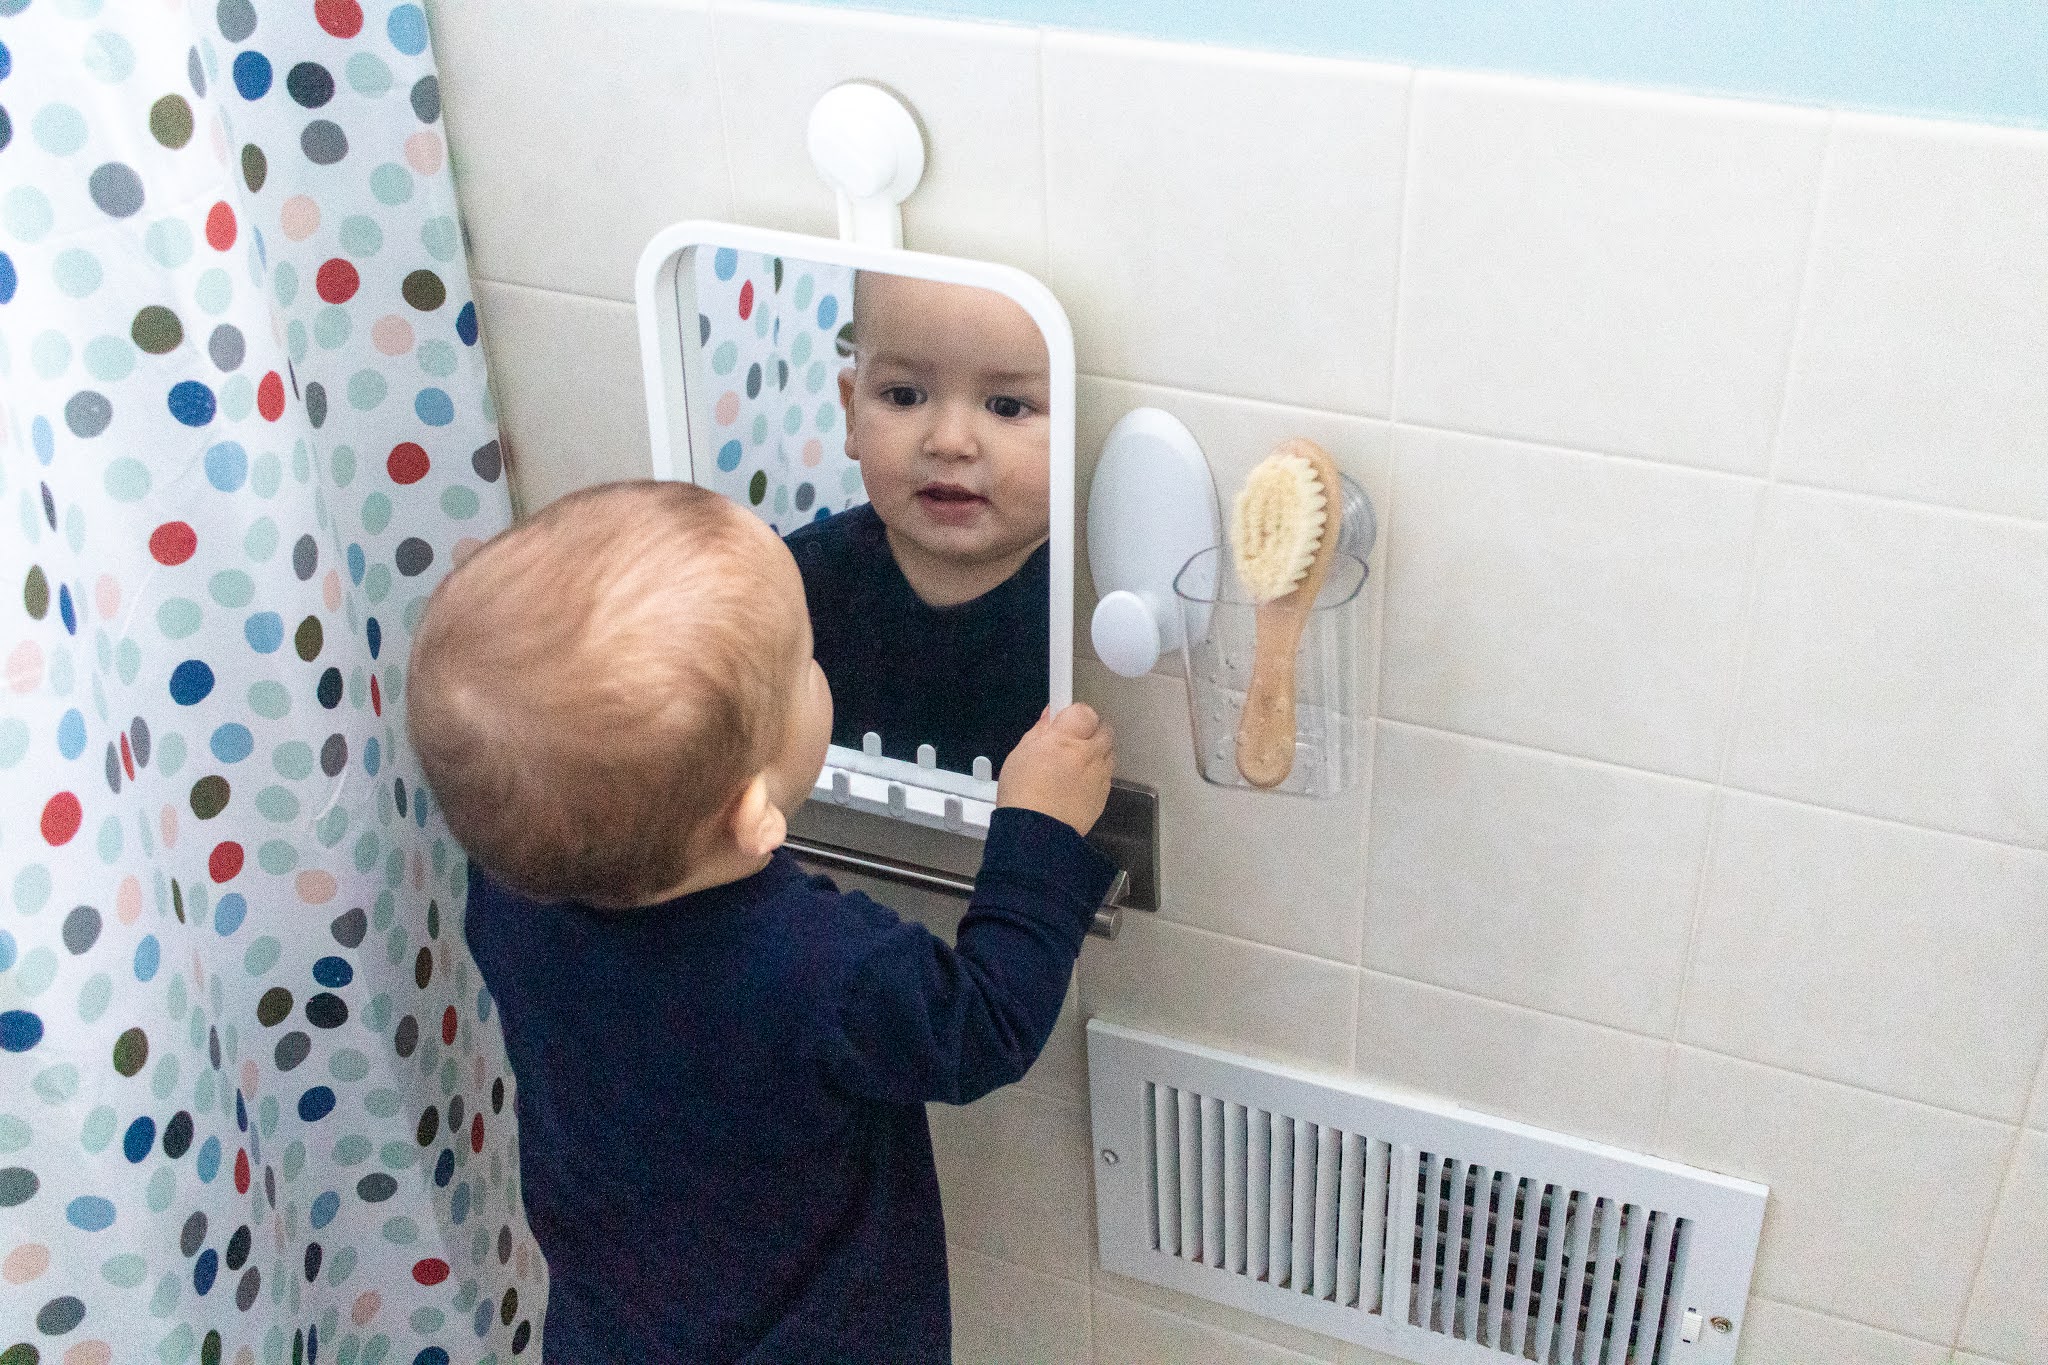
column 1411, row 1226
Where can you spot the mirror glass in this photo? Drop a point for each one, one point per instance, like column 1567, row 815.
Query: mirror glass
column 896, row 430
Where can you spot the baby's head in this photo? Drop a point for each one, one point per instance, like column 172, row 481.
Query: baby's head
column 616, row 700
column 947, row 414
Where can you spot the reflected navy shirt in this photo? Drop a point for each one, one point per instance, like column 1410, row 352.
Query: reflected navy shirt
column 722, row 1137
column 968, row 680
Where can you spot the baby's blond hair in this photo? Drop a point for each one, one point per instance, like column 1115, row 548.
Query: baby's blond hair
column 593, row 689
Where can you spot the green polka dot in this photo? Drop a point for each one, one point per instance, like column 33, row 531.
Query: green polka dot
column 270, row 700
column 170, row 121
column 94, row 996
column 343, row 463
column 828, row 416
column 793, row 420
column 109, row 56
column 56, row 1084
column 438, row 358
column 800, row 350
column 127, row 479
column 377, row 583
column 109, row 358
column 78, row 9
column 128, row 660
column 266, row 474
column 50, row 354
column 31, row 888
column 284, row 282
column 367, row 75
column 262, row 955
column 13, row 740
column 331, row 327
column 237, row 397
column 295, row 340
column 178, row 617
column 214, row 291
column 232, row 588
column 169, row 242
column 293, row 760
column 426, row 1321
column 27, row 213
column 261, row 541
column 97, row 1130
column 156, row 329
column 110, row 839
column 34, row 973
column 366, row 389
column 458, row 503
column 360, row 236
column 163, row 1187
column 724, row 357
column 277, row 857
column 74, row 529
column 59, row 129
column 376, row 513
column 14, row 1134
column 125, row 1271
column 440, row 237
column 170, row 755
column 391, row 183
column 761, row 427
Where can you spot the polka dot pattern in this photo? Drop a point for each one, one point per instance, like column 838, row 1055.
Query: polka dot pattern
column 253, row 1102
column 774, row 335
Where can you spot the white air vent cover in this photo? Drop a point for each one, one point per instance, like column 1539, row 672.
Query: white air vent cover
column 1411, row 1226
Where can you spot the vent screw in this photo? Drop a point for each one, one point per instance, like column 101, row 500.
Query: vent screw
column 1109, row 1157
column 1720, row 1324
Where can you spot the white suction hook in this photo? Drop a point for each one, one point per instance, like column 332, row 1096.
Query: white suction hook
column 869, row 150
column 1151, row 506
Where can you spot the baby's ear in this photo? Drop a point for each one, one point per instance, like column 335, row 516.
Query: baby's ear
column 758, row 824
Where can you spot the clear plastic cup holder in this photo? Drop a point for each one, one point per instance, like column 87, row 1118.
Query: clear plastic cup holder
column 1218, row 641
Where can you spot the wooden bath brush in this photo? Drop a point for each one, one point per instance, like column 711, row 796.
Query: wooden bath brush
column 1283, row 533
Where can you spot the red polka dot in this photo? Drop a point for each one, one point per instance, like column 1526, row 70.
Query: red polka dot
column 225, row 862
column 407, row 462
column 746, row 300
column 448, row 1025
column 342, row 18
column 220, row 227
column 431, row 1271
column 337, row 280
column 172, row 543
column 62, row 815
column 270, row 396
column 376, row 696
column 476, row 1132
column 127, row 757
column 242, row 1171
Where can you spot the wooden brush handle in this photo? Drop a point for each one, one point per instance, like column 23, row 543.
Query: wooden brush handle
column 1265, row 731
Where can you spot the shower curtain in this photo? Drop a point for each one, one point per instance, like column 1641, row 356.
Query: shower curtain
column 253, row 1100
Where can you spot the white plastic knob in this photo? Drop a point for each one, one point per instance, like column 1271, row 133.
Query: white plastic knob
column 1127, row 635
column 868, row 148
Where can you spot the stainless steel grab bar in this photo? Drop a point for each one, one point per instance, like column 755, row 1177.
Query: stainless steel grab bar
column 1108, row 919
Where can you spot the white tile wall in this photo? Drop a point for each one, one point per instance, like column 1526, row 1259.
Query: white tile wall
column 1715, row 521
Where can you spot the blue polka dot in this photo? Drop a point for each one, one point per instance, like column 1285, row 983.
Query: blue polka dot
column 65, row 610
column 6, row 950
column 252, row 75
column 229, row 914
column 192, row 403
column 408, row 29
column 458, row 1207
column 316, row 1104
column 139, row 1138
column 465, row 324
column 207, row 1164
column 444, row 1169
column 71, row 734
column 232, row 742
column 203, row 1271
column 828, row 310
column 375, row 633
column 434, row 407
column 725, row 262
column 89, row 1213
column 482, row 1319
column 20, row 1030
column 821, row 514
column 227, row 465
column 148, row 957
column 324, row 1209
column 241, row 1113
column 264, row 631
column 191, row 681
column 256, row 236
column 8, row 281
column 433, row 1355
column 373, row 757
column 333, row 972
column 6, row 62
column 729, row 456
column 45, row 439
column 357, row 565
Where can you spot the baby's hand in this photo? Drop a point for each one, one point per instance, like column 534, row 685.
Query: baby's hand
column 1061, row 767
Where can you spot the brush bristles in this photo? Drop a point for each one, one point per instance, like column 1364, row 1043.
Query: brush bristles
column 1277, row 525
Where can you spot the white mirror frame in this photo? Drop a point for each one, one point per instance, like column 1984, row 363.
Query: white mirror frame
column 664, row 293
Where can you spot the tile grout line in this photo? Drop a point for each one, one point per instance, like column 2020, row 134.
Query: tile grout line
column 1752, row 592
column 2005, row 1179
column 713, row 11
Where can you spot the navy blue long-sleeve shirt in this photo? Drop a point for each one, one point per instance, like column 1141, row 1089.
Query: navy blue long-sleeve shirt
column 722, row 1133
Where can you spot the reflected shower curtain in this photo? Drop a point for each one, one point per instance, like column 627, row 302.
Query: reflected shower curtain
column 253, row 1101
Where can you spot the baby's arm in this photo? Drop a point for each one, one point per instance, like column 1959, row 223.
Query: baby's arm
column 921, row 1020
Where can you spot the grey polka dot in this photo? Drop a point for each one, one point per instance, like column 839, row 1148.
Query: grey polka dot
column 81, row 929
column 323, row 142
column 138, row 742
column 413, row 556
column 333, row 758
column 805, row 496
column 292, row 1049
column 113, row 768
column 316, row 404
column 426, row 98
column 18, row 1185
column 487, row 462
column 117, row 189
column 226, row 347
column 193, row 1235
column 237, row 19
column 88, row 413
column 305, row 559
column 60, row 1315
column 195, row 73
column 252, row 1279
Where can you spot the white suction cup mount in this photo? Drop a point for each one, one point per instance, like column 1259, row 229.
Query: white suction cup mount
column 867, row 147
column 1151, row 506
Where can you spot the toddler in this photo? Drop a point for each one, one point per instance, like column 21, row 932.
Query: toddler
column 929, row 602
column 722, row 1062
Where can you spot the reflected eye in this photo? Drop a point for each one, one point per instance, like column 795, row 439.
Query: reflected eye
column 1007, row 408
column 901, row 396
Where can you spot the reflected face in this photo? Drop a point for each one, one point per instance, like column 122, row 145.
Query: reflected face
column 947, row 414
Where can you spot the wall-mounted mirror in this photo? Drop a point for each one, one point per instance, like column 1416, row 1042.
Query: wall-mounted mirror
column 905, row 422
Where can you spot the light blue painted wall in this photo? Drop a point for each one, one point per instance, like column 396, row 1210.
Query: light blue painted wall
column 1984, row 60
